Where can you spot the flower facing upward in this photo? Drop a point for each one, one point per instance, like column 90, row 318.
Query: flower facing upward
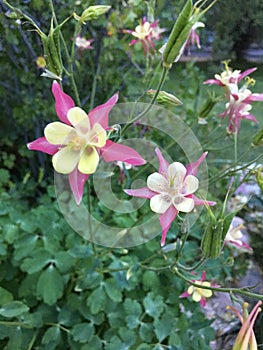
column 199, row 294
column 79, row 139
column 170, row 190
column 145, row 33
column 246, row 338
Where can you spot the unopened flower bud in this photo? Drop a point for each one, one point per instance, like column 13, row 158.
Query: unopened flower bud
column 92, row 12
column 259, row 177
column 165, row 98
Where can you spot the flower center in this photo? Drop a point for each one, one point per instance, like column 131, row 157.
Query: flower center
column 77, row 142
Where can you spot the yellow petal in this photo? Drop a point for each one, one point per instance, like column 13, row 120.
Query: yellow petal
column 79, row 119
column 65, row 160
column 196, row 296
column 58, row 133
column 89, row 160
column 97, row 136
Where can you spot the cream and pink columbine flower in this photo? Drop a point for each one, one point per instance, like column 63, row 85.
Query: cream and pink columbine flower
column 171, row 190
column 193, row 36
column 199, row 294
column 239, row 100
column 235, row 237
column 246, row 338
column 145, row 33
column 83, row 43
column 78, row 140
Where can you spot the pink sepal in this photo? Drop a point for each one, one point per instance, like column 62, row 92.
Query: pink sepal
column 163, row 163
column 63, row 102
column 77, row 181
column 144, row 192
column 100, row 113
column 166, row 220
column 41, row 144
column 192, row 168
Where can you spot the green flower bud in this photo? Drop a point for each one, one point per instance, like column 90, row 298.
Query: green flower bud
column 92, row 12
column 165, row 99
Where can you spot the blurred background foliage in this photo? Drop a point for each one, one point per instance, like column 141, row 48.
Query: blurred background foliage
column 55, row 293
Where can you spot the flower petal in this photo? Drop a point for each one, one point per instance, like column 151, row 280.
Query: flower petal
column 196, row 296
column 58, row 133
column 157, row 183
column 141, row 192
column 192, row 168
column 41, row 144
column 65, row 160
column 79, row 119
column 184, row 295
column 163, row 163
column 100, row 113
column 97, row 136
column 115, row 151
column 191, row 184
column 63, row 102
column 77, row 181
column 89, row 160
column 165, row 220
column 245, row 73
column 185, row 205
column 160, row 203
column 198, row 201
column 176, row 172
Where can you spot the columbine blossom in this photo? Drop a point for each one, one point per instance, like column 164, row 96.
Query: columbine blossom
column 199, row 294
column 171, row 190
column 246, row 337
column 239, row 100
column 234, row 235
column 78, row 140
column 145, row 33
column 83, row 44
column 193, row 36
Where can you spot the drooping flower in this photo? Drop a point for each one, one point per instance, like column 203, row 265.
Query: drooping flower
column 199, row 294
column 234, row 235
column 83, row 44
column 78, row 140
column 145, row 33
column 239, row 100
column 171, row 190
column 194, row 38
column 246, row 338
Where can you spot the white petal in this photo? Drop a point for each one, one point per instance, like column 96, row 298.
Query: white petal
column 157, row 183
column 176, row 172
column 58, row 133
column 160, row 203
column 79, row 119
column 186, row 205
column 65, row 160
column 89, row 160
column 191, row 184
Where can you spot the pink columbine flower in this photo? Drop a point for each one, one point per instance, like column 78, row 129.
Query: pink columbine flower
column 198, row 294
column 83, row 44
column 228, row 76
column 171, row 190
column 234, row 235
column 78, row 140
column 145, row 33
column 246, row 337
column 193, row 36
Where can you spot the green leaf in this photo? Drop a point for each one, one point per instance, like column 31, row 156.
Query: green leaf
column 35, row 264
column 50, row 285
column 5, row 296
column 164, row 326
column 97, row 300
column 133, row 310
column 112, row 290
column 153, row 305
column 52, row 335
column 64, row 261
column 13, row 309
column 144, row 347
column 146, row 332
column 82, row 332
column 11, row 232
column 128, row 336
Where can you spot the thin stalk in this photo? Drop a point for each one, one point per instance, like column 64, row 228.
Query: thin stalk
column 94, row 86
column 240, row 291
column 89, row 219
column 235, row 147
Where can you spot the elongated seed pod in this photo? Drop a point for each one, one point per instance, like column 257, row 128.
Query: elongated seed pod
column 179, row 26
column 207, row 107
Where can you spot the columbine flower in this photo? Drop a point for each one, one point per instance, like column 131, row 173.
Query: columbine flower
column 193, row 36
column 78, row 141
column 83, row 44
column 198, row 294
column 246, row 337
column 234, row 235
column 171, row 190
column 145, row 33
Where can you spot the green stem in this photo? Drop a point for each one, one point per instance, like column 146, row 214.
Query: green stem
column 94, row 86
column 235, row 147
column 31, row 344
column 90, row 225
column 16, row 324
column 240, row 291
column 192, row 268
column 146, row 110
